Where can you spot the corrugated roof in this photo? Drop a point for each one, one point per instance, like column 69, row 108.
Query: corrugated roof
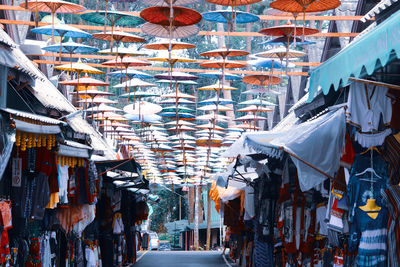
column 32, row 116
column 382, row 5
column 79, row 125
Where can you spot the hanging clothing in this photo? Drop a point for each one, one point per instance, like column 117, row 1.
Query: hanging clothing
column 391, row 154
column 63, row 183
column 367, row 104
column 31, row 199
column 367, row 235
column 249, row 211
column 392, row 198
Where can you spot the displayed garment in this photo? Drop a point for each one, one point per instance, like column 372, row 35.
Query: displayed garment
column 392, row 198
column 63, row 183
column 31, row 199
column 390, row 152
column 367, row 104
column 249, row 203
column 368, row 231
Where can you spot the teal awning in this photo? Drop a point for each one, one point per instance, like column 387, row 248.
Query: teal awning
column 360, row 57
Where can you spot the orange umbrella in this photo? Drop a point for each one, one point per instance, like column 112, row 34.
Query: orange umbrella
column 85, row 81
column 224, row 53
column 118, row 37
column 169, row 46
column 177, row 16
column 223, row 64
column 233, row 2
column 52, row 6
column 305, row 6
column 261, row 79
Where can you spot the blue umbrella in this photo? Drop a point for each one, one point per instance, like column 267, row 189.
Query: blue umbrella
column 269, row 64
column 216, row 101
column 284, row 41
column 130, row 73
column 181, row 115
column 218, row 75
column 62, row 30
column 70, row 47
column 229, row 15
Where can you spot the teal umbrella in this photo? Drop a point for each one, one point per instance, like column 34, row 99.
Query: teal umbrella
column 112, row 18
column 70, row 47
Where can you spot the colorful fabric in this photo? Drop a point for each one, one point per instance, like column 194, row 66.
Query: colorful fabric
column 391, row 154
column 367, row 235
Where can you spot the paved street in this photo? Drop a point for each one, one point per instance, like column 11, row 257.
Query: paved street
column 181, row 259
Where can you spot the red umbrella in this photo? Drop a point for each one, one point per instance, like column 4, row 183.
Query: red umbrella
column 180, row 16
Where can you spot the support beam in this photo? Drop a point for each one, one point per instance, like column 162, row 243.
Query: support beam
column 138, row 30
column 262, row 17
column 165, row 69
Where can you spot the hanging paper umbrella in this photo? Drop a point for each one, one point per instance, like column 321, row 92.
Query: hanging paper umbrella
column 257, row 102
column 216, row 101
column 135, row 82
column 126, row 62
column 92, row 93
column 153, row 118
column 174, row 45
column 253, row 109
column 62, row 30
column 100, row 100
column 229, row 15
column 233, row 2
column 210, row 126
column 177, row 76
column 103, row 108
column 261, row 91
column 304, row 6
column 70, row 47
column 219, row 64
column 79, row 67
column 139, row 94
column 269, row 64
column 213, row 117
column 250, row 118
column 178, row 116
column 171, row 16
column 180, row 108
column 283, row 40
column 287, row 30
column 169, row 2
column 217, row 87
column 169, row 32
column 123, row 51
column 130, row 73
column 113, row 18
column 178, row 95
column 180, row 122
column 118, row 37
column 181, row 128
column 85, row 82
column 177, row 101
column 261, row 79
column 177, row 82
column 218, row 75
column 214, row 108
column 142, row 108
column 224, row 53
column 52, row 6
column 281, row 53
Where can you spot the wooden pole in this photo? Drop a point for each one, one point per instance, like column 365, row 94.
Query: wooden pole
column 196, row 218
column 208, row 221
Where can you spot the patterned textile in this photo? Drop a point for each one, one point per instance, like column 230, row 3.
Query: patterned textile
column 392, row 198
column 367, row 235
column 263, row 254
column 391, row 154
